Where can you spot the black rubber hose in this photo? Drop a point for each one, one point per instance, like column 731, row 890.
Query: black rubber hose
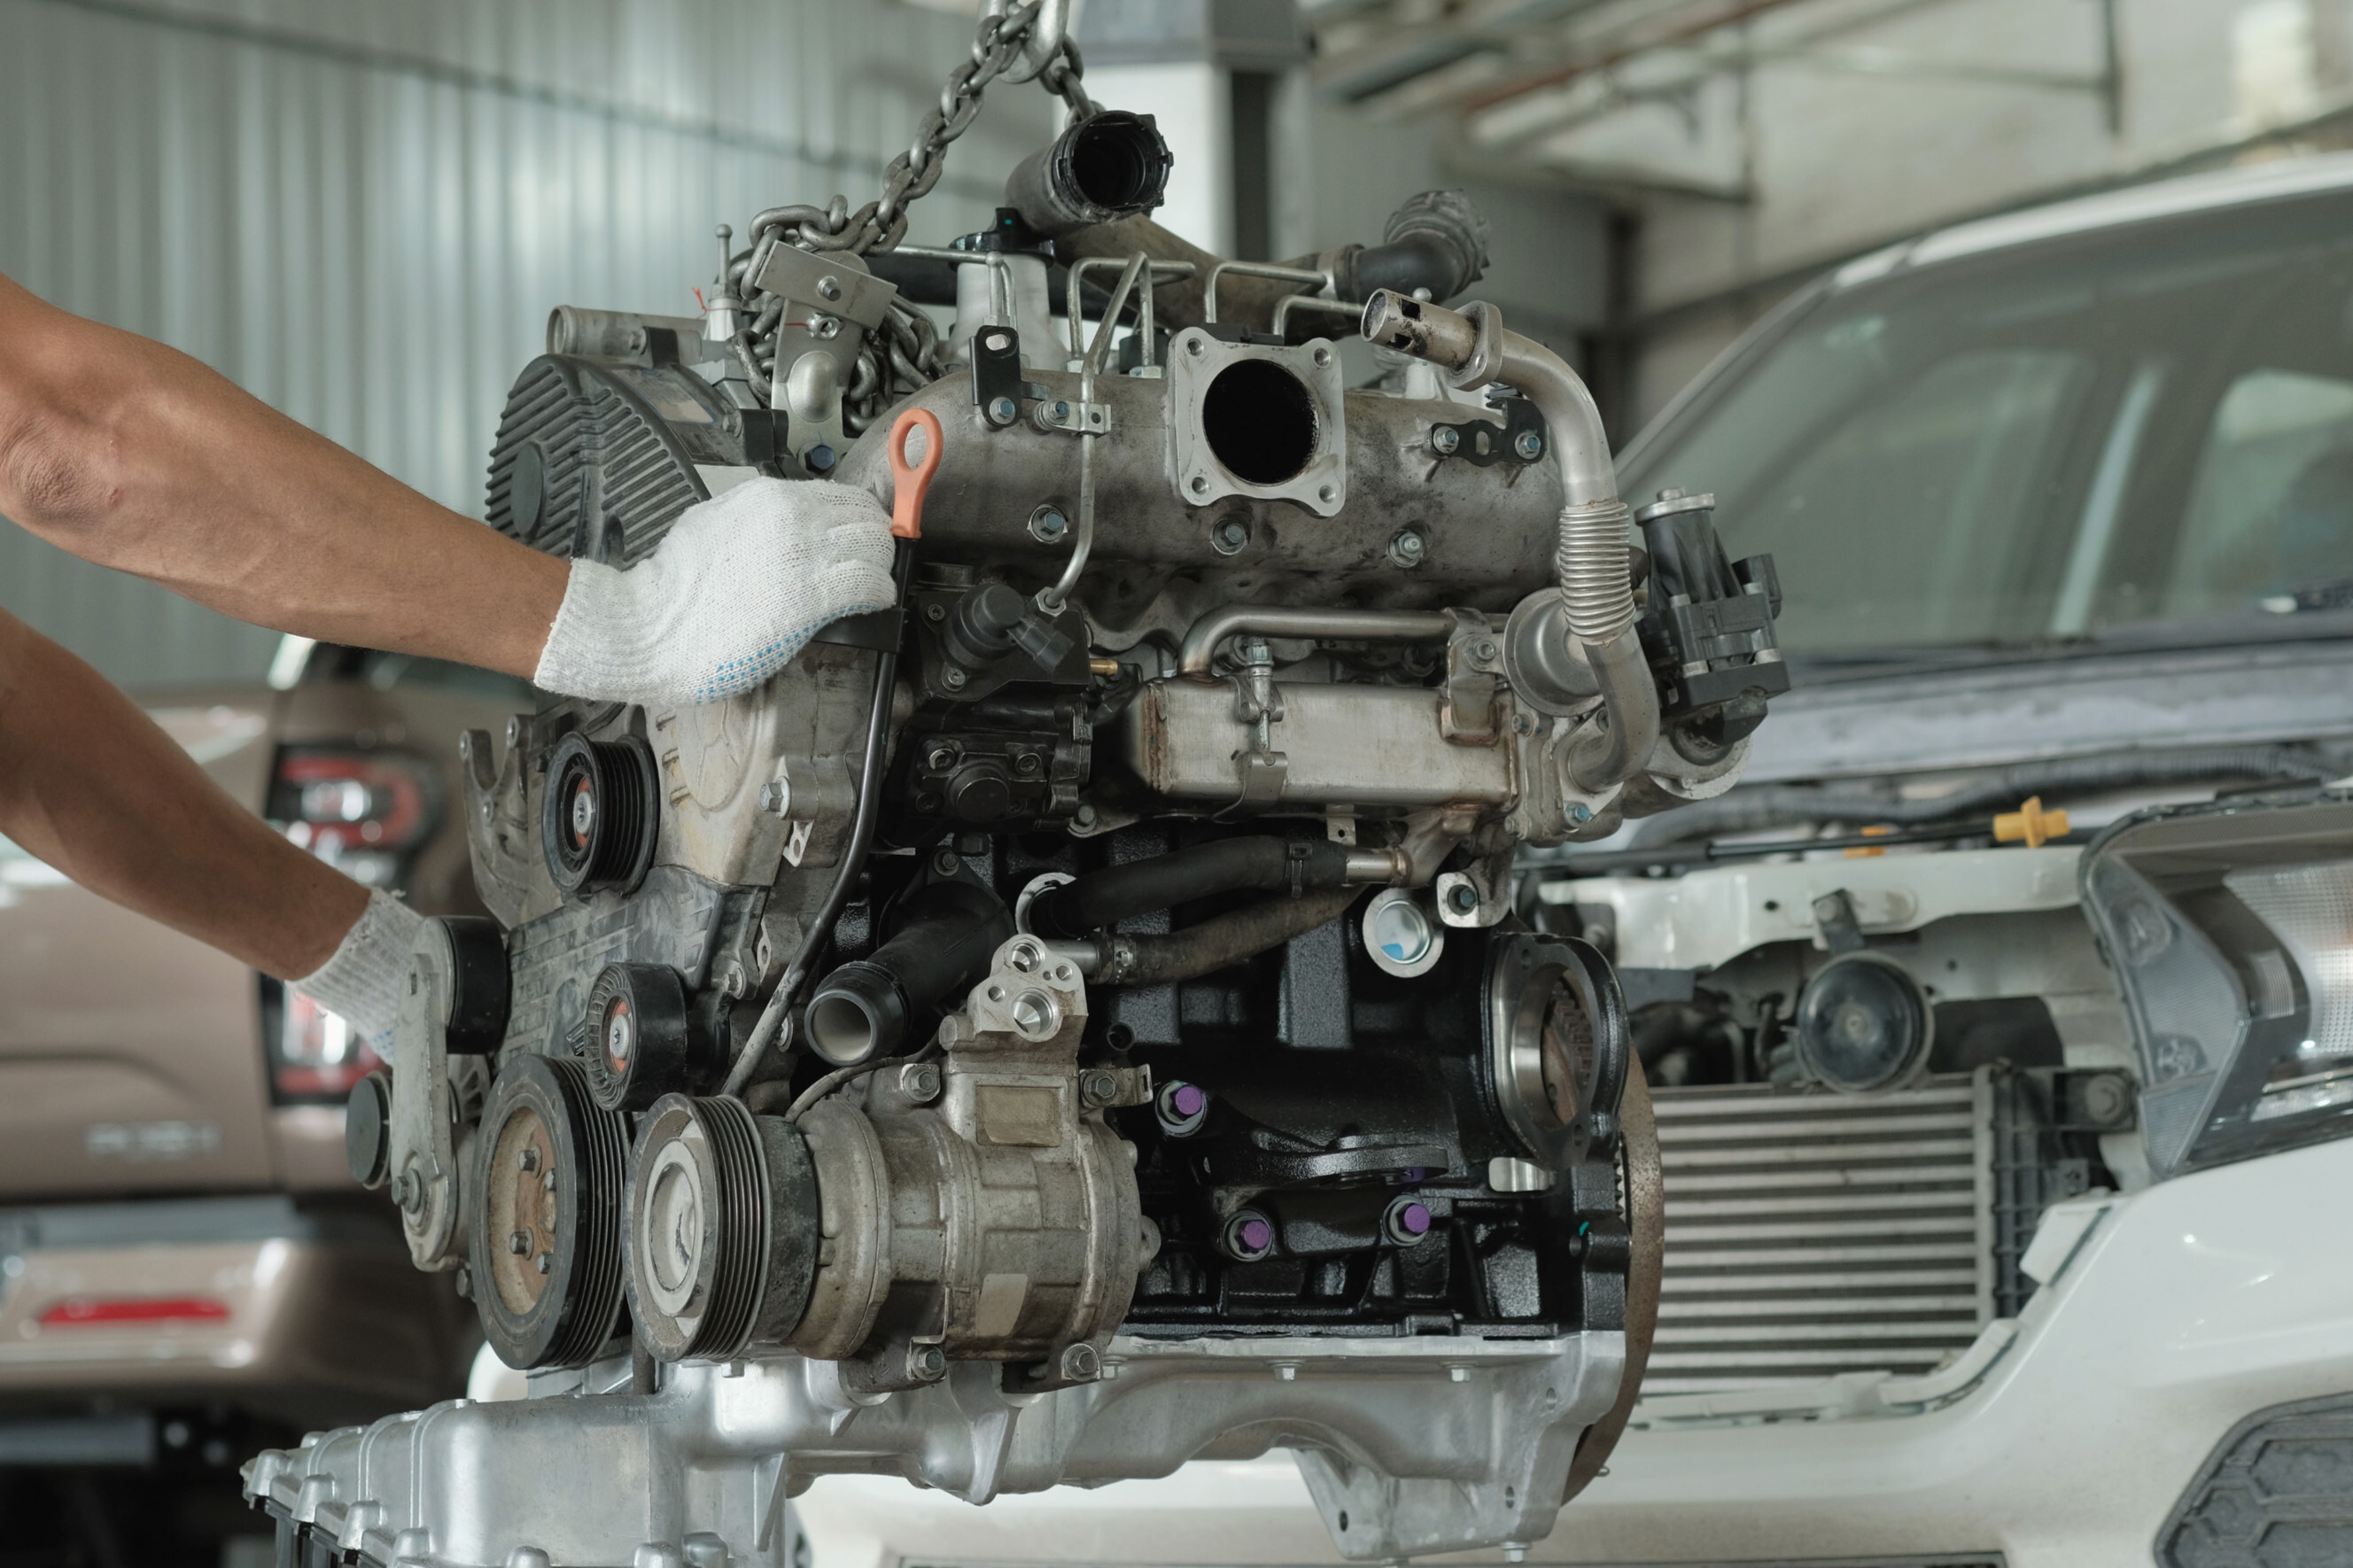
column 1105, row 898
column 948, row 933
column 1213, row 944
column 1767, row 807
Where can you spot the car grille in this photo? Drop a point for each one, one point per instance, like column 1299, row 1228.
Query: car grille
column 1810, row 1234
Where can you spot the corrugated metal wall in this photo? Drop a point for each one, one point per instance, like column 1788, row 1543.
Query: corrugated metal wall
column 362, row 213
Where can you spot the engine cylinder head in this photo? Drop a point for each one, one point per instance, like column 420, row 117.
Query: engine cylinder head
column 550, row 1169
column 601, row 815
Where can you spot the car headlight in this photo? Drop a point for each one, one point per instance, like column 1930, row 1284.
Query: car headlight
column 2230, row 928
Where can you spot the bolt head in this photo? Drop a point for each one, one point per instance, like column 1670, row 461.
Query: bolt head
column 1464, row 897
column 1061, row 409
column 1444, row 439
column 928, row 1362
column 1003, row 410
column 1483, row 651
column 953, row 678
column 1084, row 817
column 1528, row 444
column 1579, row 812
column 829, row 288
column 946, row 864
column 1081, row 1363
column 520, row 1243
column 774, row 797
column 1190, row 1099
column 514, row 731
column 1408, row 549
column 1047, row 525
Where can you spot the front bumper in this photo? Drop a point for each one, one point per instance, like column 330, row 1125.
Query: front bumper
column 2185, row 1309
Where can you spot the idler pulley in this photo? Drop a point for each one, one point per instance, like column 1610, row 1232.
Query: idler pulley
column 637, row 1037
column 600, row 814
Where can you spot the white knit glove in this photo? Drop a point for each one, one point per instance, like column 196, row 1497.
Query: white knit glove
column 733, row 591
column 362, row 983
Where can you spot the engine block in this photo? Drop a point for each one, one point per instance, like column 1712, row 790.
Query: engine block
column 1079, row 1019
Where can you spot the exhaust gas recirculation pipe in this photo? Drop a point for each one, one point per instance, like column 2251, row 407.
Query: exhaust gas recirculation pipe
column 1597, row 590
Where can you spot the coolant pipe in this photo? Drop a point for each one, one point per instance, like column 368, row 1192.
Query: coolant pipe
column 1106, row 167
column 866, row 1009
column 1202, row 639
column 1597, row 589
column 1268, row 864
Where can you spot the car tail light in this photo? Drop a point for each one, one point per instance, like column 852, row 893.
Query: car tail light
column 365, row 813
column 98, row 1312
column 315, row 1056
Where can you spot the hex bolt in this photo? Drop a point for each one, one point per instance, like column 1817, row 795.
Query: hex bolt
column 1003, row 411
column 1081, row 1363
column 514, row 732
column 1409, row 1219
column 953, row 678
column 1100, row 1086
column 1027, row 765
column 1484, row 652
column 935, row 611
column 1463, row 898
column 1061, row 409
column 547, row 1182
column 1444, row 439
column 926, row 1363
column 775, row 797
column 1048, row 526
column 529, row 1159
column 1408, row 548
column 1528, row 444
column 520, row 1243
column 1578, row 812
column 545, row 1261
column 920, row 1082
column 1229, row 535
column 1182, row 1108
column 1248, row 1236
column 945, row 863
column 1084, row 817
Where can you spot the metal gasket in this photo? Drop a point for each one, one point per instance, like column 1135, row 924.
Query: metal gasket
column 1195, row 360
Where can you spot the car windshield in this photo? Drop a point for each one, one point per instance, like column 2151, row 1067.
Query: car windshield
column 2144, row 435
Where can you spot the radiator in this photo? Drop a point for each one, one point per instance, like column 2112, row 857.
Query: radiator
column 1810, row 1234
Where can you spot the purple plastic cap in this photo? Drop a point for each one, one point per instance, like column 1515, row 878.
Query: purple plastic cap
column 1257, row 1235
column 1189, row 1101
column 1414, row 1220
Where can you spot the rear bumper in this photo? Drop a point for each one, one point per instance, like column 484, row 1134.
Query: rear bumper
column 245, row 1301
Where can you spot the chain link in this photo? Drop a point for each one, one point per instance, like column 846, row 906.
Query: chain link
column 881, row 224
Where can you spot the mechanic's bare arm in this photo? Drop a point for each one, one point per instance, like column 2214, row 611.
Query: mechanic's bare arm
column 89, row 785
column 134, row 456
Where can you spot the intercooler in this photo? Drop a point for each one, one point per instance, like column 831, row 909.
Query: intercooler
column 1811, row 1234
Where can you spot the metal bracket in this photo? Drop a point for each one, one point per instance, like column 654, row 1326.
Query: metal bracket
column 997, row 387
column 1478, row 442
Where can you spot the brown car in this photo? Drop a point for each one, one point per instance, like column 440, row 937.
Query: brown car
column 186, row 1268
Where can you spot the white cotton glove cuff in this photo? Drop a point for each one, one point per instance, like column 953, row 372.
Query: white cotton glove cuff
column 734, row 590
column 362, row 983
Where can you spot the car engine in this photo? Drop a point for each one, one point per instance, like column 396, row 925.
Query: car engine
column 1085, row 1017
